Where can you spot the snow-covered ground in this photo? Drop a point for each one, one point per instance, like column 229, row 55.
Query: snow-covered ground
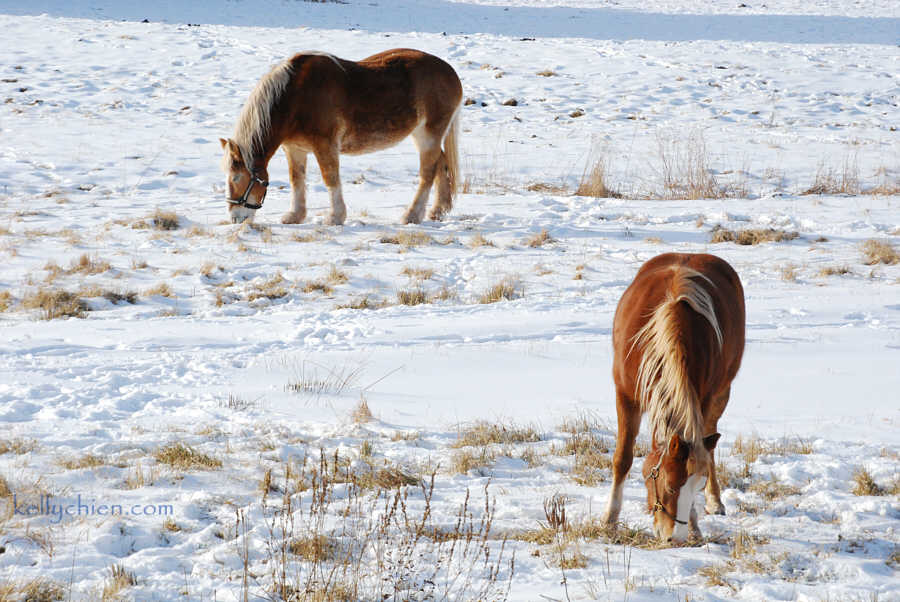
column 107, row 119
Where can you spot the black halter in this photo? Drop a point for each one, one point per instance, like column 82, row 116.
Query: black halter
column 658, row 507
column 242, row 202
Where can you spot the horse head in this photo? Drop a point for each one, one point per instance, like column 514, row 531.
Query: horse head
column 673, row 477
column 246, row 184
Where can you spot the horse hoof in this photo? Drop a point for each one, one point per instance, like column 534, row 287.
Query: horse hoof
column 335, row 220
column 293, row 218
column 436, row 216
column 716, row 509
column 411, row 219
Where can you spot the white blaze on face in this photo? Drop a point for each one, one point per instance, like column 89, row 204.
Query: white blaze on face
column 686, row 498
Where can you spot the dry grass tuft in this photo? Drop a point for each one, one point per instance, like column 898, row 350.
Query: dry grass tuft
column 364, row 302
column 85, row 461
column 314, row 548
column 6, row 300
column 412, row 296
column 162, row 289
column 179, row 455
column 272, row 288
column 789, row 272
column 685, row 169
column 119, row 579
column 715, row 575
column 751, row 236
column 464, row 460
column 507, row 289
column 318, row 286
column 407, row 238
column 879, row 251
column 594, row 183
column 830, row 181
column 483, row 433
column 164, row 220
column 89, row 265
column 17, row 446
column 539, row 239
column 36, row 590
column 772, row 489
column 361, row 413
column 864, row 484
column 336, row 276
column 547, row 73
column 55, row 303
column 834, row 271
column 479, row 240
column 417, row 274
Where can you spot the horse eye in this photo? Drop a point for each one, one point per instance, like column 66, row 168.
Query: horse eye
column 236, row 178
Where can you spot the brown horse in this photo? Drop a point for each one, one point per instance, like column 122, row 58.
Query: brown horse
column 317, row 103
column 678, row 339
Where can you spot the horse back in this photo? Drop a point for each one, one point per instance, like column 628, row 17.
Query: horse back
column 369, row 104
column 711, row 367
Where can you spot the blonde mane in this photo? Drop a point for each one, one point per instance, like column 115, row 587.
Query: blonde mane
column 254, row 122
column 663, row 385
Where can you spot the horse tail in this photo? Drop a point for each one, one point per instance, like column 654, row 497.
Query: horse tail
column 451, row 151
column 664, row 388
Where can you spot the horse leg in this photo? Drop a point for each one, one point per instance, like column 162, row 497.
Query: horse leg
column 444, row 201
column 297, row 168
column 712, row 493
column 330, row 166
column 629, row 417
column 429, row 148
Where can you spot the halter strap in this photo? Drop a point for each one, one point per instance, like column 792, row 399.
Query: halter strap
column 658, row 507
column 242, row 202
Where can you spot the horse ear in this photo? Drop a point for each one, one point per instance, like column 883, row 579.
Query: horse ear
column 232, row 148
column 678, row 448
column 674, row 445
column 709, row 442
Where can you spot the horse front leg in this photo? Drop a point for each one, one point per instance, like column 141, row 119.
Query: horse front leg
column 297, row 169
column 330, row 166
column 712, row 492
column 629, row 418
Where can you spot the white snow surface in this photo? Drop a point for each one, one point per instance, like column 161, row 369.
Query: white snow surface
column 107, row 119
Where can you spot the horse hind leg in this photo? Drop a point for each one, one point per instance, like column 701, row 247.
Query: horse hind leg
column 429, row 148
column 297, row 170
column 443, row 202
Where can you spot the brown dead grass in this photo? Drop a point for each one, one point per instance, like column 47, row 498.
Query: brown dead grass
column 181, row 456
column 751, row 236
column 55, row 303
column 273, row 288
column 479, row 240
column 505, row 290
column 539, row 239
column 864, row 484
column 879, row 251
column 407, row 238
column 483, row 433
column 412, row 296
column 162, row 289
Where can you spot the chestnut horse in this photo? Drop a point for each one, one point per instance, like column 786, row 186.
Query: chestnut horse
column 320, row 104
column 678, row 338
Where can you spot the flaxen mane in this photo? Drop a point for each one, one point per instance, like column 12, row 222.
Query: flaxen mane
column 253, row 124
column 663, row 384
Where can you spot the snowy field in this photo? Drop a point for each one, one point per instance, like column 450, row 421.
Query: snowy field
column 203, row 377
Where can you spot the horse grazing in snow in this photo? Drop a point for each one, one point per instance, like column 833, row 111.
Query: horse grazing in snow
column 678, row 339
column 317, row 103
